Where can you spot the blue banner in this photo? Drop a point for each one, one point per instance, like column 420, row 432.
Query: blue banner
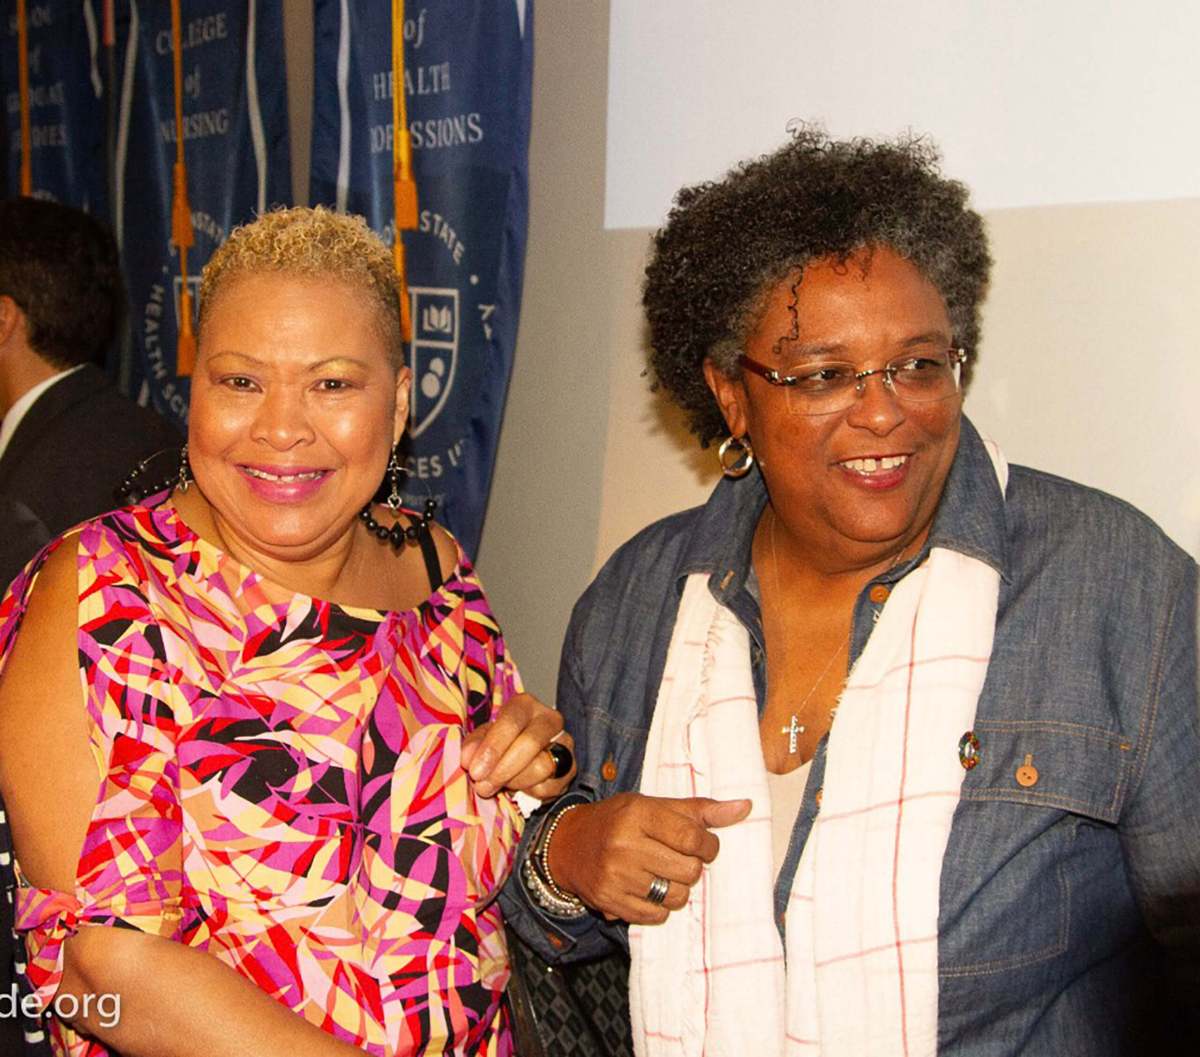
column 66, row 102
column 468, row 81
column 236, row 143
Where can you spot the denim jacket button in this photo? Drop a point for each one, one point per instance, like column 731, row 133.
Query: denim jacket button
column 1027, row 774
column 879, row 594
column 817, row 796
column 609, row 770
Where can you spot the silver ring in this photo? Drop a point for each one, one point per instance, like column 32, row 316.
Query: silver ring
column 658, row 891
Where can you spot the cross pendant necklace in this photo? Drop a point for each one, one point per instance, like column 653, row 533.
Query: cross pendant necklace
column 793, row 730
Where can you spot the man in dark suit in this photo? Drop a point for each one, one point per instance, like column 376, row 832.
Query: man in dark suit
column 67, row 437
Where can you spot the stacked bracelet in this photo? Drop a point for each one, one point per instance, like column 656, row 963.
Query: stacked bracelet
column 538, row 879
column 541, row 854
column 536, row 886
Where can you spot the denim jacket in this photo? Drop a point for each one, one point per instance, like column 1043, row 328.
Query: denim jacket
column 1070, row 908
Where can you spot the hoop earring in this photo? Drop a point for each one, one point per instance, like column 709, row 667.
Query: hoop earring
column 743, row 456
column 185, row 471
column 137, row 485
column 394, row 469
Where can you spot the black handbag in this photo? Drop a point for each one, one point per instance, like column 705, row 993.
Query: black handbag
column 575, row 1010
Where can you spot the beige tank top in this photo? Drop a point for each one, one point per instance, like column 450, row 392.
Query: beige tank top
column 787, row 791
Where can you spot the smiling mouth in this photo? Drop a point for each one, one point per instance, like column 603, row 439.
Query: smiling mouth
column 283, row 478
column 874, row 465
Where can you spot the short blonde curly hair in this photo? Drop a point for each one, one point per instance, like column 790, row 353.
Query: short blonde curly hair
column 311, row 243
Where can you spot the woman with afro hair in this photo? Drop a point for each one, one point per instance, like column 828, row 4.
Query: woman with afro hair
column 888, row 747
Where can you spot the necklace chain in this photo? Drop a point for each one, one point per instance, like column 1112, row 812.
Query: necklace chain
column 795, row 728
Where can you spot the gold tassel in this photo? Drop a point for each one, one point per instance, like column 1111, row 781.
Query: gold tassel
column 182, row 233
column 404, row 187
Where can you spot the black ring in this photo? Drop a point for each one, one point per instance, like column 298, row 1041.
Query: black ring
column 563, row 759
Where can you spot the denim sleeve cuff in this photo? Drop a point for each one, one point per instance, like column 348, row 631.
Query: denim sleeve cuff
column 552, row 937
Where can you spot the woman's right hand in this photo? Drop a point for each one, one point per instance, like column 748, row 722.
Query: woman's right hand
column 608, row 853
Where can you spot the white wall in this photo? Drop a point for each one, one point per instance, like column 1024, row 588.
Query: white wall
column 1089, row 359
column 1091, row 351
column 1032, row 103
column 540, row 538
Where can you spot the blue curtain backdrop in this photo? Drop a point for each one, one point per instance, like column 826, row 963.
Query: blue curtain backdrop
column 66, row 102
column 235, row 136
column 468, row 79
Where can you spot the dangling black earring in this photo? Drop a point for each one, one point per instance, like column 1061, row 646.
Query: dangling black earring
column 397, row 534
column 393, row 499
column 185, row 471
column 135, row 487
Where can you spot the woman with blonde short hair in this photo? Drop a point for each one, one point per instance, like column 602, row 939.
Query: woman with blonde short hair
column 255, row 725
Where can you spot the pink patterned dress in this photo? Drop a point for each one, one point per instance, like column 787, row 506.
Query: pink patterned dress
column 279, row 784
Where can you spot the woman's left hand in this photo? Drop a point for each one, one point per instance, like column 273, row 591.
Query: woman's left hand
column 510, row 752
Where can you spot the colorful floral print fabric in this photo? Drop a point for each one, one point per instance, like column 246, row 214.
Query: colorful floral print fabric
column 280, row 785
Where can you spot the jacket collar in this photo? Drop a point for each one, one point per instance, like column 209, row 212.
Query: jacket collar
column 971, row 516
column 970, row 519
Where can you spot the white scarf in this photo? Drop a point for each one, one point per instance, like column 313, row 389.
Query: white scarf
column 862, row 918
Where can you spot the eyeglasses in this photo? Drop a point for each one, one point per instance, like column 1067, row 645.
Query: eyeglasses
column 825, row 388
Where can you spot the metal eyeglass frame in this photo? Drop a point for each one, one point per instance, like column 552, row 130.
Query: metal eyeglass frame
column 958, row 356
